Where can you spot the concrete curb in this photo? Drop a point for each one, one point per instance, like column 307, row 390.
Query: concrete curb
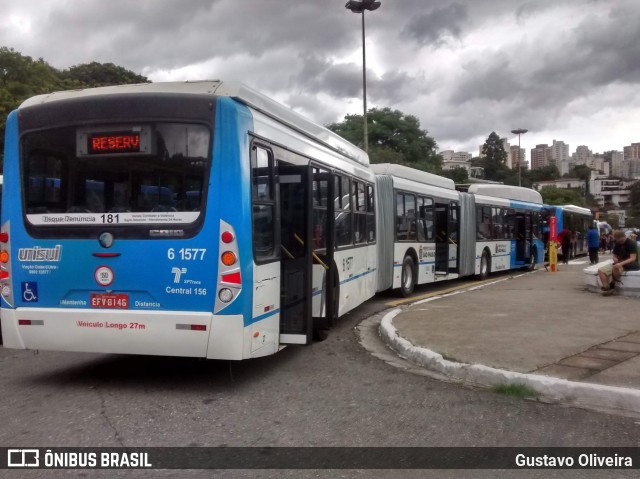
column 585, row 395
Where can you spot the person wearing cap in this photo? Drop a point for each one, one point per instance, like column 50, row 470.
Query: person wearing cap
column 625, row 258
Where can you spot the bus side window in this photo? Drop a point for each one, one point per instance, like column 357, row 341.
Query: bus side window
column 360, row 212
column 483, row 221
column 342, row 203
column 371, row 215
column 263, row 204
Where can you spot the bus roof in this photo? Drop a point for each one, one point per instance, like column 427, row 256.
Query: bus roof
column 408, row 173
column 237, row 91
column 508, row 192
column 576, row 209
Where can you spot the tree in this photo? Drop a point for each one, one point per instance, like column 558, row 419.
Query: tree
column 495, row 158
column 393, row 137
column 457, row 174
column 546, row 173
column 96, row 74
column 561, row 196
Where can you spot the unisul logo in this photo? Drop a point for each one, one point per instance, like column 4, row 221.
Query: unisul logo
column 40, row 254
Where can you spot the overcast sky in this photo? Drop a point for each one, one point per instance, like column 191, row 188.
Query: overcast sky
column 563, row 69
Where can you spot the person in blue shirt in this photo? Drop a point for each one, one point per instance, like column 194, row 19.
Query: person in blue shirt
column 593, row 240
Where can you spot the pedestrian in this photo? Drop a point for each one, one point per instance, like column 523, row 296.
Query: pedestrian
column 603, row 242
column 625, row 258
column 564, row 238
column 610, row 242
column 593, row 240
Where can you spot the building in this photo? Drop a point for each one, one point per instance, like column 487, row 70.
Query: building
column 610, row 191
column 582, row 156
column 632, row 152
column 461, row 156
column 516, row 157
column 615, row 162
column 455, row 159
column 565, row 183
column 540, row 156
column 559, row 151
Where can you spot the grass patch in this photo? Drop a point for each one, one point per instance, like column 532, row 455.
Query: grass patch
column 515, row 390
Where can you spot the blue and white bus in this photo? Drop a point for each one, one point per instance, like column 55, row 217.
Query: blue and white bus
column 182, row 219
column 431, row 232
column 203, row 219
column 509, row 228
column 578, row 220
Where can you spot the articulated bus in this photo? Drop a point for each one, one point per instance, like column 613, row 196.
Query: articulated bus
column 578, row 220
column 179, row 219
column 430, row 232
column 203, row 219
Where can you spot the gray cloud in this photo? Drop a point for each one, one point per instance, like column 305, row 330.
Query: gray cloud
column 437, row 24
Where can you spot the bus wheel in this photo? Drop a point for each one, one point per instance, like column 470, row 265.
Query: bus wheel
column 408, row 277
column 485, row 266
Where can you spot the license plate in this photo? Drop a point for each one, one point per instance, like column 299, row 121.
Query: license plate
column 109, row 301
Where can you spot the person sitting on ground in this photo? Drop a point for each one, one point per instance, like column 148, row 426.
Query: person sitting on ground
column 625, row 258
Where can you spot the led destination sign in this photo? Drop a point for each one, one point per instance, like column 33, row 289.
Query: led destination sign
column 113, row 142
column 120, row 140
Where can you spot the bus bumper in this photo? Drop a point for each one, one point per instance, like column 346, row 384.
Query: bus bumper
column 158, row 333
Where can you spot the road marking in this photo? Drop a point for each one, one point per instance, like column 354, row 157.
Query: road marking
column 413, row 299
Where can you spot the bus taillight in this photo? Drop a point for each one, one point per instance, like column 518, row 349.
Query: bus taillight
column 228, row 258
column 4, row 256
column 4, row 237
column 229, row 283
column 226, row 237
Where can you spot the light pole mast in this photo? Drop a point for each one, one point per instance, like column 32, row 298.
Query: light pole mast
column 359, row 7
column 519, row 131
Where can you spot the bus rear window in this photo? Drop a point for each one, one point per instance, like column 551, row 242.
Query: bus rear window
column 67, row 181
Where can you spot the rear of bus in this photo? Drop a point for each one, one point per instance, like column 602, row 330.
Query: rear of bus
column 122, row 220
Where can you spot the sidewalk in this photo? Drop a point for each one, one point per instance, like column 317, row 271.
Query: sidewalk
column 534, row 325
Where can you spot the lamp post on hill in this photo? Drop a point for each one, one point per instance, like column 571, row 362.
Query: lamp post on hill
column 359, row 6
column 519, row 131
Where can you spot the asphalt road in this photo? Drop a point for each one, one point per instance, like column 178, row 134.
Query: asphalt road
column 333, row 393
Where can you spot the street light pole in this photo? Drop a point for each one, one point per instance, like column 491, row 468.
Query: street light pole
column 359, row 7
column 519, row 131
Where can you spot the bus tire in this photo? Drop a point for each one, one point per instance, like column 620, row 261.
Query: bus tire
column 485, row 265
column 408, row 276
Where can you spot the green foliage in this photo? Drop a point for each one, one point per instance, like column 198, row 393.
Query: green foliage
column 582, row 172
column 562, row 196
column 457, row 174
column 393, row 137
column 546, row 173
column 495, row 159
column 22, row 77
column 96, row 74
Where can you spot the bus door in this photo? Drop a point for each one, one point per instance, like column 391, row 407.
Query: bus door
column 453, row 235
column 295, row 252
column 523, row 236
column 441, row 225
column 325, row 279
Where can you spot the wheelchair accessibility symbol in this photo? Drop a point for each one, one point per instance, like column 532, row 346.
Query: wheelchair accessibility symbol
column 30, row 292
